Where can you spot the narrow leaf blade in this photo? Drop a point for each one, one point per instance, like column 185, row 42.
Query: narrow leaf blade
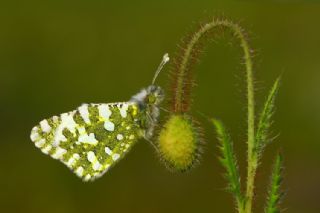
column 275, row 194
column 229, row 162
column 265, row 119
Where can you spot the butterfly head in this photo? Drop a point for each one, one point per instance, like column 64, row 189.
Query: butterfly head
column 151, row 96
column 154, row 95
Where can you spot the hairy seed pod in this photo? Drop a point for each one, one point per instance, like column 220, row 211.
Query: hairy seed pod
column 179, row 142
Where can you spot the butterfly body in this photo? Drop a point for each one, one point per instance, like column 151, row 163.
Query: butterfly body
column 92, row 138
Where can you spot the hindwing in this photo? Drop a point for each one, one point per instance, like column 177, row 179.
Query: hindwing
column 90, row 139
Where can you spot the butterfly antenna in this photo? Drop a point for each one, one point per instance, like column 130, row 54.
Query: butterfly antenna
column 165, row 59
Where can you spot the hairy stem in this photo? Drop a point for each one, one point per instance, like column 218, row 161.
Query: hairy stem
column 179, row 98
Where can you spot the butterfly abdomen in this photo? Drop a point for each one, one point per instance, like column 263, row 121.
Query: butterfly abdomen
column 92, row 138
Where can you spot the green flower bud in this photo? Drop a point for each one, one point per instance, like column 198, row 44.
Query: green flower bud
column 178, row 142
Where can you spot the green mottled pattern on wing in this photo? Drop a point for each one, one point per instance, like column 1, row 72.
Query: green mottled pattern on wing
column 92, row 138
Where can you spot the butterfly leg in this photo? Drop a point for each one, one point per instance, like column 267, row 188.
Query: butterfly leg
column 152, row 144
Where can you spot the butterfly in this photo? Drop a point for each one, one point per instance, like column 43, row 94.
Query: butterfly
column 92, row 138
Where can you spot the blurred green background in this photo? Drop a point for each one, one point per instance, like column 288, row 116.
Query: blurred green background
column 55, row 55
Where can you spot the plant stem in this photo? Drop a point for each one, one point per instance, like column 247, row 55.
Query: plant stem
column 180, row 96
column 251, row 158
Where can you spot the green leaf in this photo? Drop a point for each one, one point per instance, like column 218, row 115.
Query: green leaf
column 265, row 120
column 229, row 162
column 274, row 194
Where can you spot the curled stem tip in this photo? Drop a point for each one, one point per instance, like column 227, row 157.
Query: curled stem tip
column 182, row 84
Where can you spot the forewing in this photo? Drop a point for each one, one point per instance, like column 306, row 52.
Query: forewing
column 91, row 139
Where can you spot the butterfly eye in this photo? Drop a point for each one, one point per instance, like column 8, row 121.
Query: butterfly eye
column 152, row 99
